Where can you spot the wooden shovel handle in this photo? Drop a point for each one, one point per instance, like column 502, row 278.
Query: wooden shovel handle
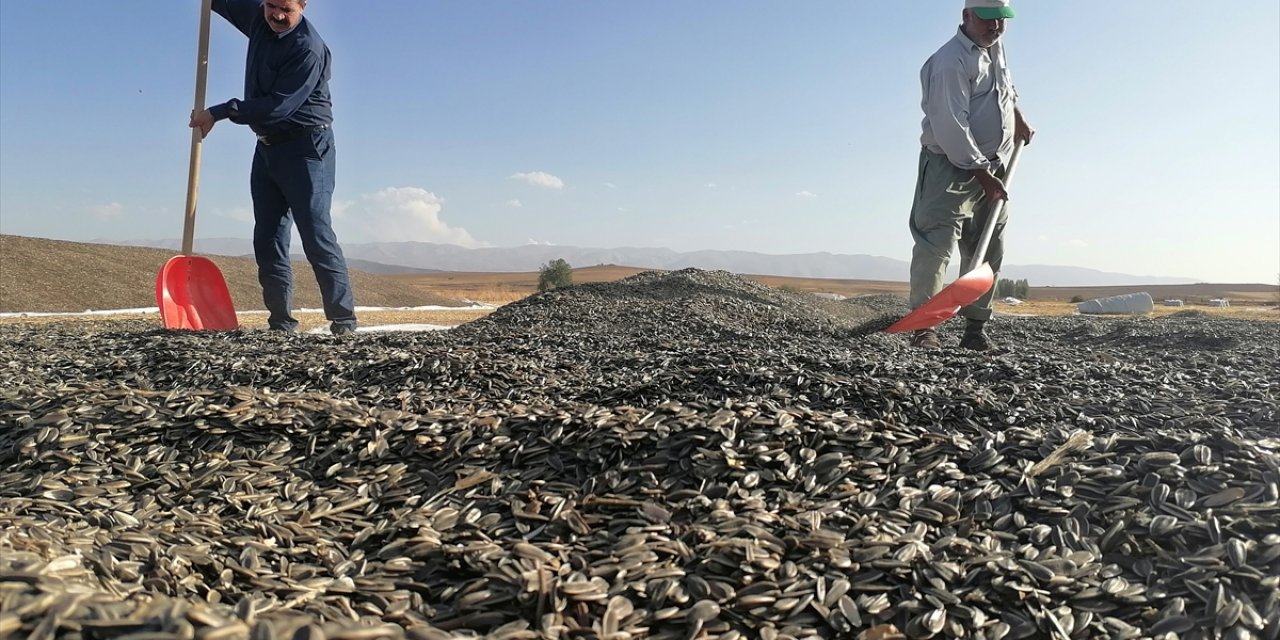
column 197, row 140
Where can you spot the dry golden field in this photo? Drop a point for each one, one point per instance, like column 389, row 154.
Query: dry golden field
column 1257, row 302
column 496, row 289
column 39, row 275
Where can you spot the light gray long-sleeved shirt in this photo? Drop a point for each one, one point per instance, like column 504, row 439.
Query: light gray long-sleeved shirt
column 968, row 103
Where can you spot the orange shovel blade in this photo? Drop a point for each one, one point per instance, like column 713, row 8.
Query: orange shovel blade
column 965, row 290
column 192, row 294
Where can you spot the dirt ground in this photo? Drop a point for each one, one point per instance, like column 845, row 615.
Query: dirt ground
column 52, row 275
column 307, row 320
column 1058, row 308
column 314, row 320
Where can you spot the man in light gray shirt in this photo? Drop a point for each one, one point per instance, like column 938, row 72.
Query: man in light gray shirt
column 971, row 122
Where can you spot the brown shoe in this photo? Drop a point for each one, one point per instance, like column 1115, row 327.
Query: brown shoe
column 926, row 339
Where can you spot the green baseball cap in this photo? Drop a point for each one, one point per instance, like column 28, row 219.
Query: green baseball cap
column 989, row 9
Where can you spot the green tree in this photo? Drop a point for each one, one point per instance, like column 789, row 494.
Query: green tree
column 555, row 274
column 1015, row 288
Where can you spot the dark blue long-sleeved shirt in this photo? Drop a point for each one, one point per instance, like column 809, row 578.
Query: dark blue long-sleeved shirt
column 286, row 76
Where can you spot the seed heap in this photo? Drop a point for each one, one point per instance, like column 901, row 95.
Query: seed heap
column 680, row 455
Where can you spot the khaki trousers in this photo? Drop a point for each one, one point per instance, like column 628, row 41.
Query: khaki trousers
column 949, row 208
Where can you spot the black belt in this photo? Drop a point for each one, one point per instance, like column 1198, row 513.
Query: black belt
column 292, row 134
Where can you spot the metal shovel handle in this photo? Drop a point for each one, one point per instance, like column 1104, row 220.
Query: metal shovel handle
column 989, row 229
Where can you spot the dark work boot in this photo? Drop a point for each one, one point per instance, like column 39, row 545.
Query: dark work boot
column 975, row 336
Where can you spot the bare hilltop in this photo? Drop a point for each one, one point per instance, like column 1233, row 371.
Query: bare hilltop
column 44, row 275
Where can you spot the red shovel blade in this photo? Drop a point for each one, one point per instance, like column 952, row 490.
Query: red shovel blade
column 192, row 294
column 965, row 290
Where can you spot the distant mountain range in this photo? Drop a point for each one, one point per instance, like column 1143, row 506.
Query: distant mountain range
column 416, row 257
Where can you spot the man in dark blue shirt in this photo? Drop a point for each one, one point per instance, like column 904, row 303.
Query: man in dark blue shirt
column 286, row 103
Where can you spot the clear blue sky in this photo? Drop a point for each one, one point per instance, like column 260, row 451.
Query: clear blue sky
column 773, row 126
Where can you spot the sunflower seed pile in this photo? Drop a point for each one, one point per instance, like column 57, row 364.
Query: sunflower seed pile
column 681, row 455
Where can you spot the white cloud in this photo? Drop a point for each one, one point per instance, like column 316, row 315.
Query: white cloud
column 514, row 203
column 1079, row 244
column 711, row 185
column 806, row 194
column 538, row 242
column 540, row 179
column 611, row 185
column 107, row 211
column 399, row 214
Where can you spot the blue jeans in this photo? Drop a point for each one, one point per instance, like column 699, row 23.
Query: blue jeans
column 292, row 182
